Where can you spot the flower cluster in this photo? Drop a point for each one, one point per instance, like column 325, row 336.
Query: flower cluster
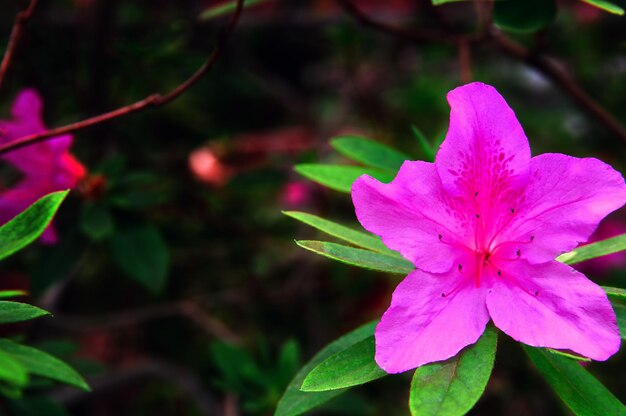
column 483, row 226
column 45, row 167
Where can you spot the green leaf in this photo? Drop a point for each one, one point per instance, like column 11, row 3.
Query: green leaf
column 350, row 367
column 358, row 238
column 5, row 294
column 591, row 251
column 12, row 371
column 606, row 6
column 141, row 252
column 615, row 291
column 358, row 257
column 619, row 306
column 295, row 402
column 369, row 152
column 96, row 221
column 339, row 177
column 27, row 226
column 452, row 387
column 17, row 312
column 42, row 364
column 427, row 149
column 524, row 16
column 226, row 8
column 578, row 389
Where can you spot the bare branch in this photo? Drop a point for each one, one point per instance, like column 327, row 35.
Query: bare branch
column 541, row 62
column 153, row 101
column 16, row 33
column 560, row 77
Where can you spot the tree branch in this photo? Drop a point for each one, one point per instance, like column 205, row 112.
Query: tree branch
column 540, row 62
column 16, row 33
column 560, row 77
column 152, row 101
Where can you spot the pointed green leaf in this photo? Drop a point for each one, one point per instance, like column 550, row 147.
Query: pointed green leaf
column 28, row 225
column 42, row 364
column 593, row 250
column 369, row 152
column 606, row 6
column 615, row 291
column 427, row 149
column 17, row 312
column 295, row 402
column 452, row 387
column 524, row 16
column 350, row 367
column 6, row 294
column 141, row 252
column 619, row 306
column 358, row 257
column 358, row 238
column 12, row 371
column 578, row 389
column 340, row 177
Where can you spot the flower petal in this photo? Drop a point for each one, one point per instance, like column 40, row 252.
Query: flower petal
column 552, row 305
column 431, row 318
column 562, row 205
column 485, row 147
column 27, row 107
column 414, row 216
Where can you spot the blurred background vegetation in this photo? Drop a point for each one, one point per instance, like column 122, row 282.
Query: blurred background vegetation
column 176, row 286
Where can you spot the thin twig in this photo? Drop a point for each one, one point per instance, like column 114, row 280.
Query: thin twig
column 16, row 33
column 560, row 77
column 153, row 101
column 542, row 63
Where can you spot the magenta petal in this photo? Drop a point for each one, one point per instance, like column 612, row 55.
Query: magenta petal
column 485, row 151
column 563, row 203
column 27, row 107
column 413, row 215
column 552, row 305
column 431, row 318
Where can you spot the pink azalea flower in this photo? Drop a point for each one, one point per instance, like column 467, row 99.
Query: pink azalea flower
column 483, row 225
column 46, row 166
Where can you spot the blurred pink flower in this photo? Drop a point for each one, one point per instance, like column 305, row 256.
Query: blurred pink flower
column 295, row 194
column 207, row 167
column 612, row 226
column 483, row 226
column 46, row 167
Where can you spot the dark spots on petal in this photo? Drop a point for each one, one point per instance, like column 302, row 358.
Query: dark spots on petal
column 443, row 295
column 536, row 292
column 476, row 193
column 477, row 215
column 499, row 272
column 518, row 252
column 532, row 237
column 460, row 267
column 440, row 236
column 512, row 210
